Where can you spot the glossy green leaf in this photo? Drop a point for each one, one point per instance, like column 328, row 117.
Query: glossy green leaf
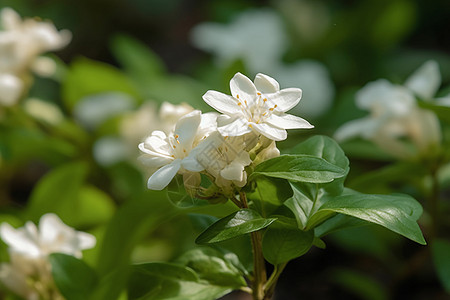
column 238, row 223
column 268, row 194
column 155, row 281
column 74, row 278
column 397, row 213
column 284, row 241
column 338, row 222
column 213, row 266
column 326, row 148
column 441, row 256
column 299, row 168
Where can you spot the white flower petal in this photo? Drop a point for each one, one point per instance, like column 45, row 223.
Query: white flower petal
column 266, row 84
column 444, row 101
column 154, row 161
column 285, row 99
column 186, row 127
column 190, row 163
column 11, row 88
column 361, row 127
column 161, row 178
column 243, row 88
column 155, row 144
column 20, row 239
column 425, row 81
column 85, row 240
column 237, row 127
column 287, row 121
column 234, row 171
column 221, row 102
column 270, row 131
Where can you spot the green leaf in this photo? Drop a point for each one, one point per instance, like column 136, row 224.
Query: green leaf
column 397, row 213
column 154, row 281
column 87, row 77
column 58, row 192
column 131, row 223
column 299, row 168
column 443, row 112
column 269, row 194
column 326, row 148
column 214, row 267
column 137, row 58
column 74, row 278
column 284, row 241
column 441, row 256
column 360, row 284
column 238, row 223
column 338, row 222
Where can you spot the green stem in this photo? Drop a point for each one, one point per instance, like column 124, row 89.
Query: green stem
column 269, row 287
column 259, row 265
column 433, row 203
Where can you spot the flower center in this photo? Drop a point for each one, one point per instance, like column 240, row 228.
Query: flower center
column 179, row 150
column 256, row 111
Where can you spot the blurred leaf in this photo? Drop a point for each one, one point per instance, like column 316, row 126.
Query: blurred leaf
column 398, row 213
column 364, row 149
column 94, row 207
column 299, row 168
column 269, row 194
column 441, row 256
column 284, row 241
column 153, row 281
column 394, row 23
column 74, row 278
column 87, row 77
column 214, row 267
column 238, row 223
column 58, row 192
column 359, row 284
column 443, row 112
column 134, row 220
column 137, row 58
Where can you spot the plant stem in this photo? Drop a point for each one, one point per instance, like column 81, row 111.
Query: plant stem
column 269, row 287
column 259, row 265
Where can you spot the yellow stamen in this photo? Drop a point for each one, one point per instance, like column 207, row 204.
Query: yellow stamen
column 184, row 150
column 177, row 136
column 259, row 94
column 239, row 103
column 250, row 125
column 245, row 101
column 265, row 113
column 174, row 147
column 237, row 96
column 271, row 109
column 275, row 106
column 178, row 142
column 173, row 156
column 265, row 99
column 225, row 137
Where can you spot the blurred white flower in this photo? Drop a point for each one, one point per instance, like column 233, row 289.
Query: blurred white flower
column 29, row 272
column 21, row 42
column 109, row 150
column 318, row 88
column 44, row 111
column 257, row 37
column 10, row 89
column 93, row 110
column 395, row 114
column 173, row 153
column 258, row 106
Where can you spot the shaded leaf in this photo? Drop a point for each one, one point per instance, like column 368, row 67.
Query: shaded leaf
column 441, row 257
column 238, row 223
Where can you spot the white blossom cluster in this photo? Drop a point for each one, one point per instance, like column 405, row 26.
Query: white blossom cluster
column 28, row 274
column 222, row 146
column 21, row 43
column 396, row 122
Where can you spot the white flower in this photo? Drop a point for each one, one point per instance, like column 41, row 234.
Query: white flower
column 225, row 159
column 257, row 37
column 51, row 236
column 258, row 106
column 395, row 114
column 28, row 274
column 10, row 89
column 171, row 154
column 22, row 41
